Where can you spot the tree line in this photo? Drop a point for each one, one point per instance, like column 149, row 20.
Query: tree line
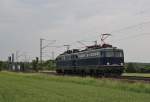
column 137, row 67
column 36, row 66
column 33, row 66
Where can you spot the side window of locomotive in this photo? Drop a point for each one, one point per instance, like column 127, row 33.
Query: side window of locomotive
column 63, row 58
column 74, row 57
column 68, row 57
column 109, row 54
column 102, row 54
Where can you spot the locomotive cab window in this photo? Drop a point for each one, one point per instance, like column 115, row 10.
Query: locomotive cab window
column 114, row 54
column 109, row 54
column 118, row 54
column 102, row 54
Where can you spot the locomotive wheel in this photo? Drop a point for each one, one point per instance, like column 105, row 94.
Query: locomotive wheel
column 59, row 71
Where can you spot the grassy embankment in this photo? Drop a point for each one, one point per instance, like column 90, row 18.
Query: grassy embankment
column 42, row 88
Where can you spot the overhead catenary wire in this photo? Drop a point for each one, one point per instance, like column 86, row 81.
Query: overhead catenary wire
column 133, row 36
column 116, row 31
column 130, row 27
column 123, row 29
column 42, row 47
column 142, row 11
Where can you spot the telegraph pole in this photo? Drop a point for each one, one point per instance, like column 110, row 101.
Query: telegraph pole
column 13, row 62
column 13, row 57
column 41, row 44
column 43, row 47
column 17, row 56
column 53, row 55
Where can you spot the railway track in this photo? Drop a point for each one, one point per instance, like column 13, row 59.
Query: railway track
column 133, row 78
column 122, row 78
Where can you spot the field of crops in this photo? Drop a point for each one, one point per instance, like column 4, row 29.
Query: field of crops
column 20, row 87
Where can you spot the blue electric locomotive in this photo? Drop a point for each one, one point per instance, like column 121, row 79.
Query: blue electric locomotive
column 94, row 60
column 104, row 60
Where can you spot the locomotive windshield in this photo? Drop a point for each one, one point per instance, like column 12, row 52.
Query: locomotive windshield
column 119, row 54
column 114, row 54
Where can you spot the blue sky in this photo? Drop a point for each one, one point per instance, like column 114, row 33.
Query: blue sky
column 24, row 22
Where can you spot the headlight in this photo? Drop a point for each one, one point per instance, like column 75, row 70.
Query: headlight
column 108, row 63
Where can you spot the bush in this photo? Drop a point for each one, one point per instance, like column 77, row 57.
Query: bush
column 130, row 68
column 47, row 65
column 2, row 65
column 35, row 65
column 138, row 68
column 145, row 70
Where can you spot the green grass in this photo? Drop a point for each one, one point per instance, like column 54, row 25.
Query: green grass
column 137, row 74
column 20, row 87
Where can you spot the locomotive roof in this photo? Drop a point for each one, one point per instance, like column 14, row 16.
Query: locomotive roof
column 90, row 50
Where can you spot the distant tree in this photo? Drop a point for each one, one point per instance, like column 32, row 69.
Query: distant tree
column 130, row 68
column 50, row 64
column 35, row 65
column 47, row 65
column 1, row 65
column 145, row 70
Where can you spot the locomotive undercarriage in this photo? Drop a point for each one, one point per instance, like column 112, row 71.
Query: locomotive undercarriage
column 93, row 71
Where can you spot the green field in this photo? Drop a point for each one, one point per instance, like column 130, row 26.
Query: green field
column 45, row 88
